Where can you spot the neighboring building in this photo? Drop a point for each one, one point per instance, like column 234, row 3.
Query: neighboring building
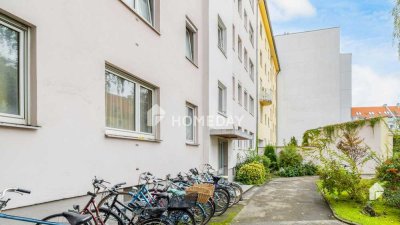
column 314, row 85
column 268, row 69
column 391, row 112
column 232, row 88
column 80, row 85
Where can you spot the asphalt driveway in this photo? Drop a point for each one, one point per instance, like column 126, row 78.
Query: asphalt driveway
column 285, row 201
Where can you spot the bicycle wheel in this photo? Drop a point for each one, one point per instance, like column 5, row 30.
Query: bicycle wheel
column 199, row 214
column 156, row 221
column 181, row 217
column 109, row 217
column 123, row 197
column 221, row 199
column 58, row 218
column 232, row 194
column 209, row 210
column 239, row 192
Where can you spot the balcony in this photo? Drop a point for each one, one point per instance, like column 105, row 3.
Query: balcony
column 265, row 97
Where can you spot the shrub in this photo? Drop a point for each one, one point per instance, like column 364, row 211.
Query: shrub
column 289, row 157
column 293, row 141
column 307, row 169
column 389, row 172
column 392, row 197
column 254, row 157
column 252, row 173
column 269, row 151
column 396, row 144
column 336, row 180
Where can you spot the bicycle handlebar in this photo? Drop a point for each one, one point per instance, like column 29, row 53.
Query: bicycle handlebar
column 16, row 190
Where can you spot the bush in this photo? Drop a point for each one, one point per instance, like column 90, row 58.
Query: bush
column 396, row 144
column 293, row 141
column 254, row 157
column 307, row 169
column 269, row 151
column 252, row 173
column 388, row 172
column 336, row 180
column 289, row 157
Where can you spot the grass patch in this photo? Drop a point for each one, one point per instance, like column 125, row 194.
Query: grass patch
column 228, row 216
column 351, row 211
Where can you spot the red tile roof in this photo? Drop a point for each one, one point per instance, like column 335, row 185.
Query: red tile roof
column 374, row 111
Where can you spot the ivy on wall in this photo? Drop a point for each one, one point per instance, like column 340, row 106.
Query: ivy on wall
column 396, row 143
column 326, row 135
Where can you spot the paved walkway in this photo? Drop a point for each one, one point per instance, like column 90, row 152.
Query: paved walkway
column 286, row 201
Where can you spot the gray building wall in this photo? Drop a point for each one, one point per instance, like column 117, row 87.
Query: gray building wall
column 314, row 86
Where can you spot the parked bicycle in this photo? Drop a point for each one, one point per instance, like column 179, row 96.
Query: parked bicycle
column 58, row 219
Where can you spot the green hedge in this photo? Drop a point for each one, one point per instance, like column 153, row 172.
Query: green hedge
column 252, row 173
column 396, row 144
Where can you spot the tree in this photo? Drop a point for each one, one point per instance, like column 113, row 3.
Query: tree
column 396, row 23
column 352, row 146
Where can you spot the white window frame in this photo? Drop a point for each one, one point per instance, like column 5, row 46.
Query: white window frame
column 194, row 121
column 233, row 37
column 23, row 73
column 240, row 48
column 111, row 131
column 224, row 99
column 245, row 19
column 240, row 90
column 251, row 34
column 245, row 58
column 192, row 29
column 251, row 105
column 245, row 100
column 251, row 69
column 222, row 37
column 240, row 8
column 133, row 3
column 233, row 88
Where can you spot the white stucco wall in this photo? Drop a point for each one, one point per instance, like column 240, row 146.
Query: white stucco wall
column 313, row 87
column 74, row 40
column 222, row 67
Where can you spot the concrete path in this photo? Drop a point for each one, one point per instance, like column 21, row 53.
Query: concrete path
column 286, row 201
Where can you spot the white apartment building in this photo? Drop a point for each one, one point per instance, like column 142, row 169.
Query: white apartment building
column 232, row 88
column 83, row 85
column 314, row 85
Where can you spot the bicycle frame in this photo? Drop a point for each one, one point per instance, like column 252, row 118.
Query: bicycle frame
column 86, row 210
column 27, row 220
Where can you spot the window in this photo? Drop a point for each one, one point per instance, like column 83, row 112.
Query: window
column 261, row 30
column 252, row 4
column 251, row 34
column 245, row 58
column 221, row 98
column 191, row 42
column 251, row 70
column 240, row 7
column 221, row 35
column 240, row 94
column 245, row 19
column 233, row 37
column 251, row 109
column 129, row 104
column 240, row 48
column 245, row 105
column 252, row 139
column 191, row 126
column 145, row 8
column 233, row 88
column 14, row 62
column 261, row 61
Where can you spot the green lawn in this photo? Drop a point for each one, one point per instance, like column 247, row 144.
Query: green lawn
column 228, row 216
column 351, row 211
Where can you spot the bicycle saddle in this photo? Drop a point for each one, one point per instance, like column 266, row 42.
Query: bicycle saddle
column 76, row 219
column 155, row 211
column 161, row 195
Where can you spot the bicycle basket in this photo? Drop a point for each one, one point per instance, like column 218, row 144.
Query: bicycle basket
column 204, row 191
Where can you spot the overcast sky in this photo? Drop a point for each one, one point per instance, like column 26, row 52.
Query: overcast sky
column 366, row 32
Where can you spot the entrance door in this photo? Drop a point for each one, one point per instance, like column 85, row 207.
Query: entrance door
column 222, row 157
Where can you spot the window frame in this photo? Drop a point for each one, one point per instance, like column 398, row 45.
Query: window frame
column 193, row 31
column 245, row 58
column 245, row 100
column 195, row 126
column 155, row 17
column 240, row 91
column 233, row 88
column 23, row 118
column 251, row 69
column 139, row 83
column 240, row 48
column 251, row 105
column 233, row 37
column 245, row 19
column 224, row 99
column 221, row 26
column 251, row 34
column 240, row 8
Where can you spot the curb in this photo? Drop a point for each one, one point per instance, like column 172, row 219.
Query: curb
column 333, row 212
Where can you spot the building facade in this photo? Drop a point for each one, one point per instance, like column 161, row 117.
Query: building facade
column 268, row 69
column 392, row 113
column 232, row 90
column 98, row 88
column 314, row 85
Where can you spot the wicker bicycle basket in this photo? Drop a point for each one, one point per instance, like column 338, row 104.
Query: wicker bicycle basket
column 204, row 191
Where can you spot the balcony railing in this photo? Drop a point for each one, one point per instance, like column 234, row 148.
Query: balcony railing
column 265, row 97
